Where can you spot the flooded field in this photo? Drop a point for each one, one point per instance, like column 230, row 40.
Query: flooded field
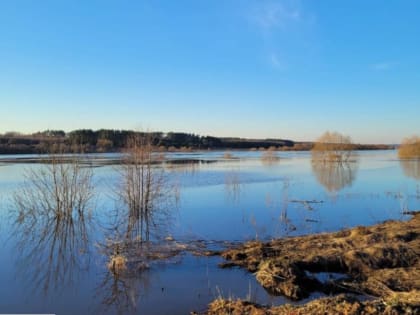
column 221, row 198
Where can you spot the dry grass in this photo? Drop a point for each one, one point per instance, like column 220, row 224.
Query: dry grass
column 339, row 305
column 381, row 261
column 234, row 307
column 117, row 264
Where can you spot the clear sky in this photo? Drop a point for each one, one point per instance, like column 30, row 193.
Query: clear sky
column 285, row 69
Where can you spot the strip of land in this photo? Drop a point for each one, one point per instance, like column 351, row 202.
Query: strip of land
column 109, row 140
column 364, row 270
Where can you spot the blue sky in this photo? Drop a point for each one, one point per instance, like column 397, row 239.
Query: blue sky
column 284, row 69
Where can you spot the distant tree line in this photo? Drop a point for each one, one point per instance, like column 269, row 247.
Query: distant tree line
column 112, row 140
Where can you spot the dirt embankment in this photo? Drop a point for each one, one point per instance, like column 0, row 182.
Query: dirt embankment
column 366, row 270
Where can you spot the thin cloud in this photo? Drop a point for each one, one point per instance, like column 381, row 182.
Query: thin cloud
column 276, row 62
column 285, row 27
column 383, row 66
column 269, row 15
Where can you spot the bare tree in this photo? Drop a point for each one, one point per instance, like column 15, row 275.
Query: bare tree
column 145, row 192
column 60, row 187
column 51, row 213
column 334, row 161
column 146, row 198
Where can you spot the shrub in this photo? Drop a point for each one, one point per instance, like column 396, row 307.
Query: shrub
column 333, row 147
column 410, row 148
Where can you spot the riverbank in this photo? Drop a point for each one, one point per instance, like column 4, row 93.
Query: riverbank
column 363, row 270
column 111, row 141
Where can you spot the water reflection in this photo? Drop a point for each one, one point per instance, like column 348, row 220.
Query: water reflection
column 52, row 249
column 411, row 167
column 52, row 221
column 278, row 222
column 286, row 226
column 121, row 293
column 233, row 185
column 334, row 175
column 270, row 158
column 183, row 166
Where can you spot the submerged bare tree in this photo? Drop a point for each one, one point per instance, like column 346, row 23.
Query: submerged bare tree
column 146, row 199
column 334, row 161
column 146, row 194
column 51, row 216
column 333, row 147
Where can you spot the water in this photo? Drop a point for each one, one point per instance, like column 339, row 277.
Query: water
column 222, row 198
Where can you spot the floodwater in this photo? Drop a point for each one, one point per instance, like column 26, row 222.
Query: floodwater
column 221, row 198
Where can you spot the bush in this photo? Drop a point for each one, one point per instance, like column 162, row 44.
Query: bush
column 410, row 148
column 333, row 147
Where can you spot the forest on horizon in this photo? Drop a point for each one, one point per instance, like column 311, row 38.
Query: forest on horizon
column 112, row 140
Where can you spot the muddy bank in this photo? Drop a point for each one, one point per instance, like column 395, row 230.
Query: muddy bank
column 380, row 263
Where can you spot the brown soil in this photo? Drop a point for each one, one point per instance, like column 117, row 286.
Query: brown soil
column 380, row 262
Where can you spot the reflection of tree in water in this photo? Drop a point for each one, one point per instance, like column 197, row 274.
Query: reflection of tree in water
column 52, row 249
column 411, row 168
column 52, row 222
column 277, row 204
column 334, row 162
column 270, row 158
column 286, row 225
column 122, row 292
column 335, row 175
column 233, row 185
column 146, row 199
column 183, row 166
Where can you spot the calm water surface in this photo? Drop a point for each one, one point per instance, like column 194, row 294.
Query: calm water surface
column 239, row 198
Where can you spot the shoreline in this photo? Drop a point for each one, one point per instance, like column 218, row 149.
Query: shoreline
column 363, row 270
column 192, row 150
